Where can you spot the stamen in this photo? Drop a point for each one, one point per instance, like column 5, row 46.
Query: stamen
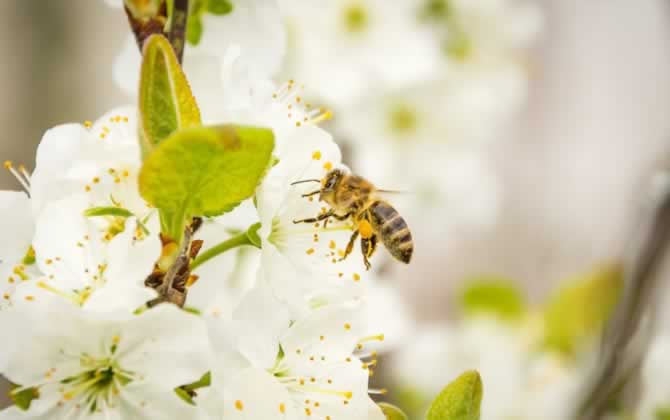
column 381, row 391
column 21, row 174
column 378, row 337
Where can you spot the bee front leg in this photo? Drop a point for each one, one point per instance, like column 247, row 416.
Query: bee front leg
column 318, row 218
column 368, row 247
column 350, row 245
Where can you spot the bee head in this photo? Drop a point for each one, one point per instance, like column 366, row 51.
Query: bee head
column 329, row 185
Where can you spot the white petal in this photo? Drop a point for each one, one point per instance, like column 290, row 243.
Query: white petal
column 182, row 338
column 145, row 401
column 256, row 394
column 54, row 155
column 16, row 224
column 117, row 4
column 331, row 331
column 260, row 320
column 254, row 25
column 61, row 228
column 126, row 68
column 44, row 332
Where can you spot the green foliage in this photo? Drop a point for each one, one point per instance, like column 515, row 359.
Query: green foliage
column 188, row 392
column 204, row 171
column 412, row 401
column 662, row 413
column 577, row 312
column 252, row 234
column 22, row 398
column 460, row 400
column 166, row 102
column 219, row 7
column 392, row 412
column 495, row 296
column 194, row 27
column 107, row 211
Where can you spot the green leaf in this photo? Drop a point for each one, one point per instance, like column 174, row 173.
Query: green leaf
column 194, row 29
column 392, row 412
column 203, row 382
column 219, row 7
column 204, row 171
column 577, row 312
column 494, row 296
column 185, row 395
column 412, row 400
column 252, row 234
column 24, row 397
column 188, row 392
column 460, row 400
column 166, row 102
column 662, row 413
column 107, row 211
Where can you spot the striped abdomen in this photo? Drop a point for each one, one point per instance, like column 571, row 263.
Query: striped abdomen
column 387, row 223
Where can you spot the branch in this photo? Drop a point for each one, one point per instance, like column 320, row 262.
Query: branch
column 169, row 22
column 626, row 336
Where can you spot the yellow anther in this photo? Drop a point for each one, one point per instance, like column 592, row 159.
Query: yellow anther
column 316, row 155
column 239, row 405
column 8, row 164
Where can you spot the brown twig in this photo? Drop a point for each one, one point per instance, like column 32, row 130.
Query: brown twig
column 626, row 336
column 174, row 29
column 171, row 286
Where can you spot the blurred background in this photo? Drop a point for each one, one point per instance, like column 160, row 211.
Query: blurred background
column 565, row 175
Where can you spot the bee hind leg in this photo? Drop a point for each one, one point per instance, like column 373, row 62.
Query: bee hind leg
column 368, row 247
column 350, row 245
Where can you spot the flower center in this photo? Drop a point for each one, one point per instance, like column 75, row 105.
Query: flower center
column 98, row 384
column 437, row 10
column 290, row 100
column 355, row 18
column 402, row 119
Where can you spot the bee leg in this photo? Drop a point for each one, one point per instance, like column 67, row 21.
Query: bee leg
column 368, row 247
column 350, row 245
column 343, row 217
column 338, row 217
column 318, row 218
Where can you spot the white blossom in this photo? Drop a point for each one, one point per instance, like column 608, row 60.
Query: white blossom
column 342, row 49
column 317, row 371
column 253, row 25
column 100, row 367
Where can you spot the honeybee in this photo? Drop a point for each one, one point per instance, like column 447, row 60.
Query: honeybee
column 354, row 198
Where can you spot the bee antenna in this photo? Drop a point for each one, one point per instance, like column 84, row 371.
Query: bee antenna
column 305, row 180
